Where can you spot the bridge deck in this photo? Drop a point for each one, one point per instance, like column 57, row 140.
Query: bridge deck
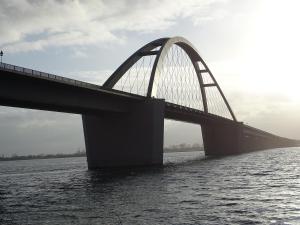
column 60, row 79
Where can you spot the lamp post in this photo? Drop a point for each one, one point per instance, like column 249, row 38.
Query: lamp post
column 1, row 54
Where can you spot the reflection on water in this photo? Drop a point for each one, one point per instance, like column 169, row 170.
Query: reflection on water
column 255, row 188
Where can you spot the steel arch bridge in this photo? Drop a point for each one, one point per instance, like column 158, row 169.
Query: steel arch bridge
column 123, row 120
column 172, row 69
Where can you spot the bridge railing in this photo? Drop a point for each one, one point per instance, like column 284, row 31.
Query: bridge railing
column 35, row 73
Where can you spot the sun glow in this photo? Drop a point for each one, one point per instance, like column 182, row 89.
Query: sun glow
column 272, row 58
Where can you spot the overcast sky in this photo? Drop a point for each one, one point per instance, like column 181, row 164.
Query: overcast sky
column 251, row 46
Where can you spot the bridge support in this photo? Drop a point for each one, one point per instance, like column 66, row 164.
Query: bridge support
column 126, row 139
column 222, row 139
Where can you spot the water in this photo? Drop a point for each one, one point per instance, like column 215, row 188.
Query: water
column 255, row 188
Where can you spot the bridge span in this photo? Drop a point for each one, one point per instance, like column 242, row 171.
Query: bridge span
column 123, row 120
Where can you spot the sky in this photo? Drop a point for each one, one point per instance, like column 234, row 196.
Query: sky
column 251, row 46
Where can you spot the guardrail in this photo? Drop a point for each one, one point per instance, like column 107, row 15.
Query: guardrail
column 35, row 73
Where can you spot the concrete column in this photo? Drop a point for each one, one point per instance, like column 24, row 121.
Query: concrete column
column 126, row 139
column 222, row 139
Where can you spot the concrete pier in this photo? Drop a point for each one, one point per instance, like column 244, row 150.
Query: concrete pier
column 222, row 139
column 134, row 138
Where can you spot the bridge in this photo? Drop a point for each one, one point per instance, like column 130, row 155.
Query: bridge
column 123, row 119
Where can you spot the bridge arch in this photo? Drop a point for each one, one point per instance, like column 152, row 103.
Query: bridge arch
column 172, row 69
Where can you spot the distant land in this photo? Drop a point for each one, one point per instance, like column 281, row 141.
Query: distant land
column 81, row 152
column 13, row 157
column 183, row 148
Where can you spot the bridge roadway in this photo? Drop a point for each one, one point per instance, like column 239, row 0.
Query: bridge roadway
column 26, row 88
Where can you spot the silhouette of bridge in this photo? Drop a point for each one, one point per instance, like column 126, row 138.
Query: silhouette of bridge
column 123, row 120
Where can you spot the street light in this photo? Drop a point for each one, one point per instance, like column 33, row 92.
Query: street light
column 1, row 54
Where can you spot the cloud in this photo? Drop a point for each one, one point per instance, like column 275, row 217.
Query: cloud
column 29, row 25
column 79, row 54
column 97, row 77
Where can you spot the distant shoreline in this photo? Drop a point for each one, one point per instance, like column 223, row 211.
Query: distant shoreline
column 170, row 150
column 42, row 156
column 15, row 157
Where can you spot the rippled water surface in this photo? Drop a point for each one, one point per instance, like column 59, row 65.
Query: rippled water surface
column 255, row 188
